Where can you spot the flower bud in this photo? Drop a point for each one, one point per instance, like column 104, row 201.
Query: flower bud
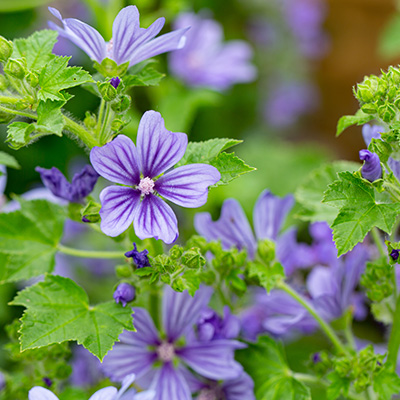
column 371, row 170
column 395, row 254
column 90, row 120
column 124, row 293
column 3, row 82
column 192, row 258
column 175, row 252
column 33, row 78
column 15, row 68
column 6, row 49
column 115, row 82
column 107, row 90
column 140, row 258
column 122, row 104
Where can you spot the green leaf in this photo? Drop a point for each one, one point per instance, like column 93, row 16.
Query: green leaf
column 339, row 385
column 359, row 118
column 359, row 211
column 37, row 48
column 265, row 362
column 18, row 134
column 50, row 117
column 8, row 160
column 268, row 276
column 29, row 239
column 386, row 384
column 58, row 310
column 57, row 76
column 204, row 152
column 147, row 77
column 230, row 167
column 309, row 195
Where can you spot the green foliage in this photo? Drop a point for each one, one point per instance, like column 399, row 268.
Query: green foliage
column 148, row 76
column 29, row 239
column 359, row 210
column 265, row 362
column 309, row 194
column 57, row 76
column 18, row 5
column 58, row 310
column 359, row 118
column 8, row 160
column 19, row 134
column 50, row 119
column 389, row 45
column 386, row 384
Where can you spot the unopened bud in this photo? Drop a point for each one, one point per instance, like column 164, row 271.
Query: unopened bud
column 107, row 91
column 124, row 293
column 6, row 49
column 371, row 170
column 122, row 104
column 3, row 82
column 15, row 68
column 115, row 82
column 33, row 78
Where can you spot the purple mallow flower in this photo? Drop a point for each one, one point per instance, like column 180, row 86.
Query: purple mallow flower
column 86, row 371
column 115, row 82
column 371, row 169
column 139, row 169
column 160, row 361
column 124, row 293
column 82, row 183
column 205, row 60
column 129, row 42
column 107, row 393
column 2, row 381
column 140, row 258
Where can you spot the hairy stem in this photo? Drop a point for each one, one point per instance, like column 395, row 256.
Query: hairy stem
column 80, row 132
column 16, row 112
column 330, row 333
column 90, row 253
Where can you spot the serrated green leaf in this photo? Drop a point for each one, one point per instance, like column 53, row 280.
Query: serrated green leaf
column 268, row 276
column 309, row 195
column 18, row 134
column 58, row 310
column 29, row 239
column 339, row 385
column 203, row 152
column 8, row 160
column 57, row 76
column 147, row 77
column 386, row 384
column 283, row 388
column 37, row 48
column 359, row 211
column 359, row 118
column 50, row 117
column 230, row 167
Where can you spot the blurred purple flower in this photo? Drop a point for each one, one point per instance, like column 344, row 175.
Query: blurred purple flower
column 82, row 183
column 157, row 151
column 371, row 169
column 206, row 61
column 2, row 381
column 86, row 371
column 153, row 358
column 140, row 258
column 124, row 293
column 129, row 43
column 288, row 101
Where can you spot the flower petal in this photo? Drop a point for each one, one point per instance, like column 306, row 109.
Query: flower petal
column 118, row 206
column 117, row 161
column 155, row 218
column 239, row 388
column 187, row 186
column 40, row 393
column 181, row 311
column 174, row 40
column 158, row 148
column 269, row 214
column 232, row 228
column 169, row 384
column 127, row 381
column 107, row 393
column 214, row 360
column 82, row 35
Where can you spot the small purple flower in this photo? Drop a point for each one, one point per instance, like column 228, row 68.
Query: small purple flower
column 82, row 183
column 140, row 258
column 395, row 254
column 371, row 169
column 115, row 82
column 316, row 358
column 206, row 61
column 47, row 381
column 124, row 293
column 139, row 169
column 154, row 357
column 129, row 43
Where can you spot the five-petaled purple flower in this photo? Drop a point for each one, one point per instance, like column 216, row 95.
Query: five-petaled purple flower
column 129, row 42
column 139, row 169
column 207, row 62
column 154, row 357
column 81, row 185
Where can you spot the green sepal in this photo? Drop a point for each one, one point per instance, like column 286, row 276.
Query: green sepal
column 90, row 213
column 109, row 68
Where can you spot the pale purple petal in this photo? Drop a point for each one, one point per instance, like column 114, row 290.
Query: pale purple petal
column 107, row 393
column 322, row 281
column 3, row 178
column 370, row 132
column 118, row 207
column 187, row 186
column 214, row 360
column 82, row 35
column 169, row 384
column 394, row 165
column 117, row 161
column 168, row 42
column 269, row 214
column 155, row 218
column 145, row 395
column 146, row 331
column 232, row 228
column 181, row 311
column 240, row 388
column 127, row 381
column 158, row 148
column 40, row 393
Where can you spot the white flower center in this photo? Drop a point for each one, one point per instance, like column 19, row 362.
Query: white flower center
column 146, row 185
column 166, row 352
column 109, row 48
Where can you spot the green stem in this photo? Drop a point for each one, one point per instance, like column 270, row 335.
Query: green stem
column 103, row 133
column 9, row 100
column 100, row 117
column 16, row 112
column 394, row 339
column 378, row 242
column 330, row 333
column 80, row 132
column 90, row 253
